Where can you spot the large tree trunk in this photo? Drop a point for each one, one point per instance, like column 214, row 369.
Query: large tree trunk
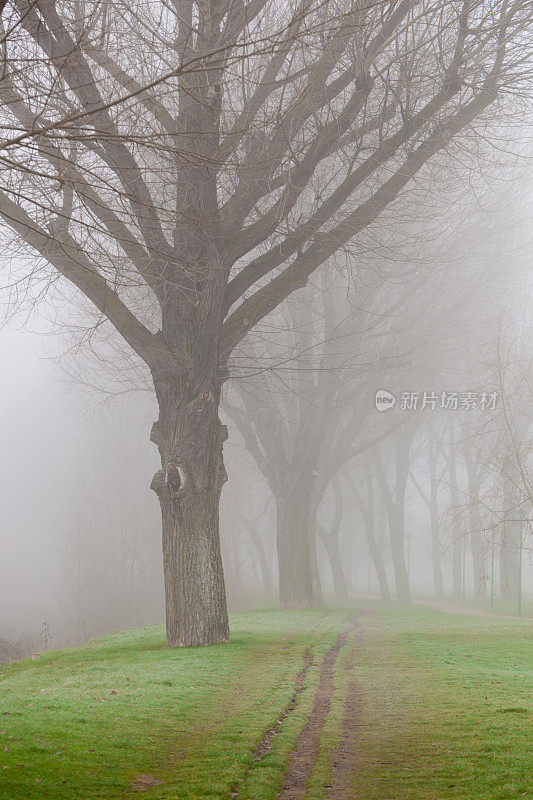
column 294, row 551
column 190, row 437
column 299, row 580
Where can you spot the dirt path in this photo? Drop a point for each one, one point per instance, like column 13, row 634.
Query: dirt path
column 306, row 752
column 450, row 608
column 266, row 742
column 345, row 757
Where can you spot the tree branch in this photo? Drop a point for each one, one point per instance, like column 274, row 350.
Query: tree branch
column 65, row 256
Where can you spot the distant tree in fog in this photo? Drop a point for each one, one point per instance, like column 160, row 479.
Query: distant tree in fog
column 108, row 543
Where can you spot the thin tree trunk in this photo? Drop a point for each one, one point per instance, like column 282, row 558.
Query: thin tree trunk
column 368, row 515
column 339, row 579
column 479, row 555
column 476, row 542
column 308, row 479
column 510, row 549
column 457, row 539
column 262, row 557
column 396, row 512
column 318, row 595
column 438, row 584
column 190, row 439
column 509, row 562
column 377, row 560
column 347, row 552
column 403, row 592
column 330, row 538
column 397, row 539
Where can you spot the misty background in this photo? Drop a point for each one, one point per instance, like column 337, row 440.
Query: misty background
column 80, row 528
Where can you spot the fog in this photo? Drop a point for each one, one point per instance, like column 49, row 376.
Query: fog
column 40, row 429
column 80, row 527
column 266, row 298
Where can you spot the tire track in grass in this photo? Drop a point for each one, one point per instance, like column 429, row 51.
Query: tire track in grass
column 345, row 757
column 305, row 754
column 266, row 742
column 265, row 745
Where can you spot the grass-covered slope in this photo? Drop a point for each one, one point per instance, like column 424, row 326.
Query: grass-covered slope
column 86, row 723
column 445, row 711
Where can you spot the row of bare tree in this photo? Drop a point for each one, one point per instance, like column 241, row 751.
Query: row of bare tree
column 321, row 482
column 458, row 440
column 181, row 169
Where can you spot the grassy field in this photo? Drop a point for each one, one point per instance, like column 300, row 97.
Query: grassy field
column 448, row 708
column 446, row 711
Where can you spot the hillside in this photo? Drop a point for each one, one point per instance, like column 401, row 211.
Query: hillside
column 420, row 703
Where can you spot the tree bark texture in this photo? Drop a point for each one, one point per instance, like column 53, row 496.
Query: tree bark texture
column 294, row 552
column 190, row 439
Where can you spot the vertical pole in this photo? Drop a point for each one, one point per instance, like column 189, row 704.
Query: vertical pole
column 408, row 556
column 463, row 576
column 520, row 572
column 369, row 567
column 492, row 575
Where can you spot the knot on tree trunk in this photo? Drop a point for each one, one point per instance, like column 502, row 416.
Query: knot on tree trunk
column 190, row 438
column 175, row 477
column 171, row 479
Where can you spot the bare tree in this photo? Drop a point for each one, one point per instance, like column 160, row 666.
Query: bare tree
column 307, row 416
column 212, row 155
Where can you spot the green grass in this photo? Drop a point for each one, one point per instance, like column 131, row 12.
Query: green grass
column 446, row 699
column 83, row 723
column 504, row 607
column 448, row 707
